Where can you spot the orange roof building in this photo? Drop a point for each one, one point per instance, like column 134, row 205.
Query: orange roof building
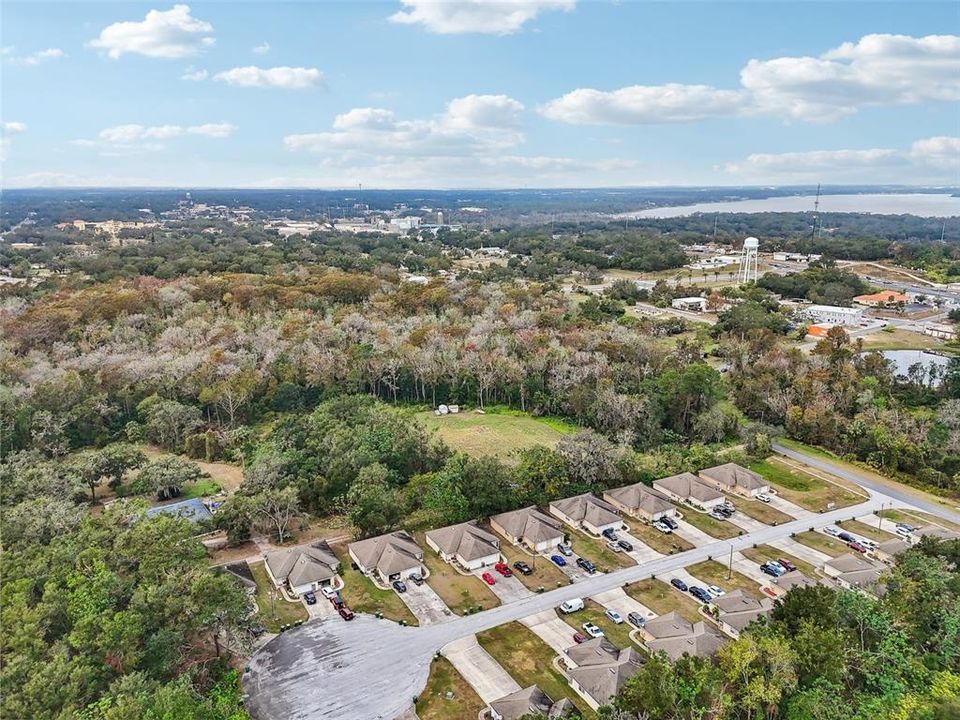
column 885, row 298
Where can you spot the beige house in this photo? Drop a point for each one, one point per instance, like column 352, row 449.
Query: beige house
column 672, row 634
column 588, row 512
column 934, row 531
column 530, row 701
column 854, row 572
column 390, row 557
column 888, row 550
column 688, row 488
column 640, row 501
column 466, row 544
column 529, row 527
column 736, row 610
column 595, row 651
column 598, row 682
column 304, row 568
column 792, row 580
column 731, row 477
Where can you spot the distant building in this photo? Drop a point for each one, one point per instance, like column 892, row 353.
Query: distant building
column 941, row 331
column 886, row 298
column 690, row 304
column 405, row 223
column 833, row 314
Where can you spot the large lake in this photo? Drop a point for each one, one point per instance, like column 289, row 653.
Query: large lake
column 924, row 205
column 903, row 359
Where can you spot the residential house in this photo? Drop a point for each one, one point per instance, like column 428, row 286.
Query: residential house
column 736, row 610
column 672, row 634
column 530, row 701
column 595, row 651
column 731, row 477
column 688, row 488
column 888, row 550
column 390, row 557
column 303, row 568
column 466, row 544
column 530, row 527
column 853, row 571
column 588, row 512
column 934, row 531
column 598, row 683
column 641, row 501
column 793, row 579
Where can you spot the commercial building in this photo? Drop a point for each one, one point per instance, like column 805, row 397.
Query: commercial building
column 941, row 331
column 885, row 298
column 690, row 304
column 832, row 314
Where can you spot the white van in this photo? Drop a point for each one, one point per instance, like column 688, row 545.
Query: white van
column 571, row 606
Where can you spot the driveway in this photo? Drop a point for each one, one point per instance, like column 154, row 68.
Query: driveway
column 804, row 552
column 641, row 551
column 785, row 506
column 321, row 609
column 571, row 569
column 508, row 589
column 691, row 534
column 888, row 526
column 548, row 626
column 425, row 604
column 746, row 522
column 623, row 603
column 478, row 668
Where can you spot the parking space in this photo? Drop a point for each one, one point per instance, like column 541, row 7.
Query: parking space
column 425, row 604
column 785, row 506
column 745, row 566
column 321, row 609
column 641, row 551
column 681, row 574
column 802, row 551
column 508, row 589
column 691, row 534
column 618, row 600
column 570, row 569
column 484, row 674
column 551, row 629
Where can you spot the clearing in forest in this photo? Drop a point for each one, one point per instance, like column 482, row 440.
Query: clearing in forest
column 492, row 434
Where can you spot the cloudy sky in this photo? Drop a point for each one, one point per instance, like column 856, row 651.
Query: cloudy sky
column 479, row 93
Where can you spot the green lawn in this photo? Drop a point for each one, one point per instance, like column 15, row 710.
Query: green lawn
column 871, row 532
column 665, row 543
column 711, row 572
column 763, row 553
column 493, row 433
column 662, row 598
column 900, row 339
column 918, row 519
column 201, row 488
column 275, row 611
column 545, row 573
column 594, row 612
column 361, row 595
column 596, row 550
column 433, row 704
column 529, row 661
column 804, row 489
column 760, row 511
column 720, row 529
column 823, row 543
column 461, row 593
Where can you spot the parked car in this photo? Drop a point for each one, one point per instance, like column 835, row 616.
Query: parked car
column 400, row 586
column 571, row 605
column 725, row 510
column 310, row 597
column 579, row 638
column 778, row 566
column 592, row 630
column 715, row 591
column 669, row 522
column 488, row 579
column 903, row 532
column 558, row 559
column 906, row 526
column 337, row 601
column 662, row 527
column 701, row 594
column 772, row 569
column 763, row 497
column 868, row 543
column 717, row 515
column 346, row 613
column 847, row 537
column 636, row 619
column 521, row 566
column 503, row 569
column 565, row 548
column 610, row 534
column 788, row 566
column 831, row 530
column 586, row 565
column 614, row 547
column 328, row 591
column 416, row 578
column 679, row 584
column 615, row 617
column 854, row 545
column 625, row 545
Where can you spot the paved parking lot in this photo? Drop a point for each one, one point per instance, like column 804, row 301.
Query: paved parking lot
column 508, row 589
column 425, row 604
column 478, row 668
column 551, row 629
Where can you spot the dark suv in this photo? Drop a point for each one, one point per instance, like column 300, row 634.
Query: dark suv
column 521, row 567
column 586, row 565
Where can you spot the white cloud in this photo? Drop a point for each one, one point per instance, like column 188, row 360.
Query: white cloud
column 261, row 49
column 8, row 128
column 287, row 78
column 124, row 139
column 496, row 17
column 876, row 70
column 194, row 75
column 34, row 58
column 173, row 33
column 933, row 160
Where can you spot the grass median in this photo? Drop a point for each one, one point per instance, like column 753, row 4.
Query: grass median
column 433, row 703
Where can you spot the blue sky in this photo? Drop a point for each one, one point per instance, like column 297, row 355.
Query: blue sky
column 487, row 93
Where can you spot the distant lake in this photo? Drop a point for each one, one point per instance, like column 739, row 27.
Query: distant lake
column 903, row 359
column 921, row 204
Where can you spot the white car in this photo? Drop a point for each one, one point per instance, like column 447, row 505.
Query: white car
column 327, row 591
column 715, row 591
column 662, row 528
column 592, row 630
column 614, row 616
column 831, row 530
column 614, row 547
column 903, row 532
column 763, row 497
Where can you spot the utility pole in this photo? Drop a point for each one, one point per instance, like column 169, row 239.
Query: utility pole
column 730, row 564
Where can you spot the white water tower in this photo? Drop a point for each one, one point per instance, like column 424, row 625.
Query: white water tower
column 749, row 266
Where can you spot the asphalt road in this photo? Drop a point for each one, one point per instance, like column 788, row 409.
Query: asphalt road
column 372, row 669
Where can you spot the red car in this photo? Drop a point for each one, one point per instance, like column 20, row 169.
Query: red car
column 488, row 579
column 787, row 564
column 346, row 613
column 503, row 569
column 854, row 545
column 579, row 638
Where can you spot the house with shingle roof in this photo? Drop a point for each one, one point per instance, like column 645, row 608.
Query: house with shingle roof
column 674, row 635
column 688, row 488
column 599, row 682
column 595, row 651
column 304, row 568
column 934, row 531
column 466, row 544
column 731, row 477
column 640, row 501
column 736, row 610
column 530, row 701
column 888, row 550
column 530, row 527
column 588, row 512
column 390, row 557
column 854, row 572
column 793, row 579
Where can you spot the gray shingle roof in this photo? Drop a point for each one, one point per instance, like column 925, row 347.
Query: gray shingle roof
column 639, row 497
column 587, row 507
column 467, row 540
column 390, row 553
column 303, row 565
column 733, row 475
column 688, row 485
column 529, row 523
column 604, row 680
column 701, row 641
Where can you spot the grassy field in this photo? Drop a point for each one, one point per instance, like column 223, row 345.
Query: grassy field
column 803, row 489
column 275, row 611
column 529, row 660
column 432, row 703
column 763, row 553
column 823, row 543
column 597, row 551
column 871, row 532
column 720, row 529
column 493, row 433
column 760, row 511
column 460, row 592
column 545, row 573
column 900, row 339
column 594, row 612
column 228, row 477
column 361, row 595
column 712, row 572
column 662, row 598
column 666, row 544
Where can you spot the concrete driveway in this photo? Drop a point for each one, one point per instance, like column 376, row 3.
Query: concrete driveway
column 785, row 506
column 478, row 668
column 641, row 551
column 745, row 522
column 508, row 589
column 571, row 569
column 425, row 604
column 321, row 609
column 691, row 534
column 887, row 526
column 804, row 552
column 548, row 626
column 623, row 603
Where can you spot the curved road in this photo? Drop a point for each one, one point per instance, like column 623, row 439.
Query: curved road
column 372, row 669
